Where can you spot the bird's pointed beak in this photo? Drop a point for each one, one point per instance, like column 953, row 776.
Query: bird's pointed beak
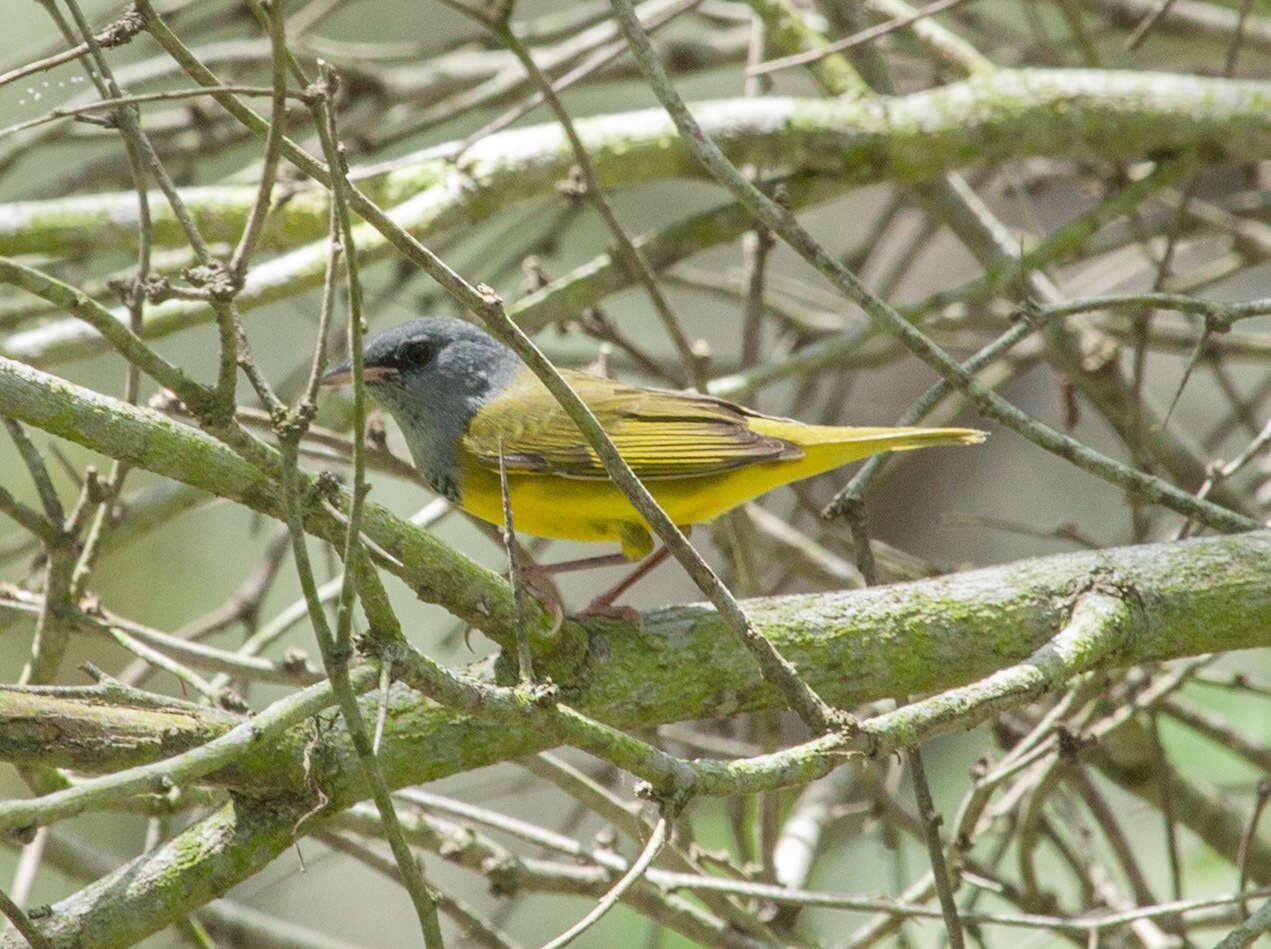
column 343, row 374
column 338, row 376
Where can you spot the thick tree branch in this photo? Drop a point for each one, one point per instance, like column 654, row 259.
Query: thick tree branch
column 854, row 646
column 1084, row 114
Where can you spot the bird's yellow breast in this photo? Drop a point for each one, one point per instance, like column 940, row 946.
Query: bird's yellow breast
column 595, row 510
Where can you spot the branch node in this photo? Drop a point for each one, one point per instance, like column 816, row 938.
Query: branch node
column 672, row 794
column 295, row 660
column 155, row 288
column 504, row 874
column 574, row 187
column 1219, row 320
column 326, row 487
column 541, row 693
column 231, row 701
column 314, row 94
column 1070, row 743
column 845, row 724
column 24, row 835
column 221, row 283
column 124, row 29
column 489, row 297
column 1029, row 311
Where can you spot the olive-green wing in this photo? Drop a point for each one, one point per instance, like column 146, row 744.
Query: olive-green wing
column 661, row 434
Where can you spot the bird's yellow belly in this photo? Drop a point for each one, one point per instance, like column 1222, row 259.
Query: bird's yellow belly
column 581, row 509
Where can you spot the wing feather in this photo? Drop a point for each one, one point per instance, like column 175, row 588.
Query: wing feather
column 661, row 434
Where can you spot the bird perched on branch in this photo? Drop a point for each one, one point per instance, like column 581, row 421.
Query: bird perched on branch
column 461, row 398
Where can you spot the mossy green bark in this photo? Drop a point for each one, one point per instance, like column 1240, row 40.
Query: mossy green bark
column 1192, row 597
column 170, row 881
column 97, row 734
column 786, row 31
column 1188, row 597
column 1000, row 116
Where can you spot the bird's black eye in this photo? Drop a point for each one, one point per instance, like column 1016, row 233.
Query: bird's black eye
column 416, row 353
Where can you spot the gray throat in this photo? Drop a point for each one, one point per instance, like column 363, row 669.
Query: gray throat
column 433, row 410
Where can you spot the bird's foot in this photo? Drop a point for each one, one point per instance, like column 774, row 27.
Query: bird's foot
column 599, row 609
column 605, row 608
column 542, row 589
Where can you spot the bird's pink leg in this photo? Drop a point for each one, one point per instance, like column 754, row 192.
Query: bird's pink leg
column 565, row 566
column 603, row 604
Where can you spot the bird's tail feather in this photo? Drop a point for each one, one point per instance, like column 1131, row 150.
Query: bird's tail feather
column 828, row 446
column 894, row 439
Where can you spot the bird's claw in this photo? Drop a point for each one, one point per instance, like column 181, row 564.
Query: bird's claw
column 605, row 609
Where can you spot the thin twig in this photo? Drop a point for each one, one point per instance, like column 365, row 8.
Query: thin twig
column 632, row 257
column 988, row 402
column 927, row 814
column 1246, row 840
column 590, row 64
column 524, row 657
column 29, row 518
column 273, row 143
column 1145, row 25
column 1247, row 932
column 857, row 39
column 629, row 879
column 136, row 139
column 930, row 818
column 39, row 472
column 70, row 111
column 335, row 645
column 22, row 923
column 479, row 930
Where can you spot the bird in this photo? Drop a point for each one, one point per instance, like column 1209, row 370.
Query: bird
column 462, row 399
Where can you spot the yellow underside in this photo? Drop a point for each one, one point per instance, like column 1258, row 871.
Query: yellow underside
column 549, row 505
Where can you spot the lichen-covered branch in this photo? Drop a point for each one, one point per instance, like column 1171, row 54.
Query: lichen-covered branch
column 1189, row 597
column 1084, row 114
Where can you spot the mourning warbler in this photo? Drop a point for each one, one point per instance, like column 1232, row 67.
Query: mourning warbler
column 457, row 394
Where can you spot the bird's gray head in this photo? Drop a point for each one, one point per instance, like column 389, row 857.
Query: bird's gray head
column 433, row 375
